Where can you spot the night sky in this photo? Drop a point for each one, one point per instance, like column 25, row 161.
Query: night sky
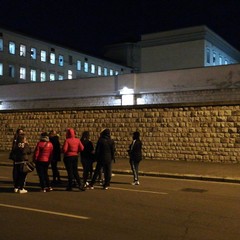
column 88, row 25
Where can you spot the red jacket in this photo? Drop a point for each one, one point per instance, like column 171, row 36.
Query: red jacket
column 72, row 145
column 43, row 151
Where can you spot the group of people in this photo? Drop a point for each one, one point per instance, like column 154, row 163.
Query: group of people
column 48, row 153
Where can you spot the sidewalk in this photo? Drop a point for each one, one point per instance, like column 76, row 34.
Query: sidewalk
column 220, row 172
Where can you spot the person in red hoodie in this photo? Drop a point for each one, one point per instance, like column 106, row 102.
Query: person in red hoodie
column 71, row 148
column 42, row 157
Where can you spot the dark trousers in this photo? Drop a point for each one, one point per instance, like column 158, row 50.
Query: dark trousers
column 134, row 167
column 87, row 169
column 18, row 176
column 107, row 169
column 71, row 164
column 42, row 171
column 55, row 172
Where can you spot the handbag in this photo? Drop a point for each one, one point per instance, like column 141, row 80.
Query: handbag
column 28, row 167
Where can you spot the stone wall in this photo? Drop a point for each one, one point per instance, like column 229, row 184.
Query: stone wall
column 197, row 133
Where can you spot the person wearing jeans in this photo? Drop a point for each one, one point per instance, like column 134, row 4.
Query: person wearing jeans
column 135, row 155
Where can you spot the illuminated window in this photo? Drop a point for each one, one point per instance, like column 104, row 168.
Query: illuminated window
column 70, row 74
column 116, row 73
column 128, row 99
column 1, row 45
column 11, row 47
column 43, row 56
column 11, row 70
column 22, row 52
column 85, row 67
column 111, row 72
column 33, row 75
column 99, row 70
column 93, row 68
column 33, row 53
column 105, row 72
column 22, row 73
column 220, row 60
column 42, row 76
column 226, row 62
column 52, row 58
column 78, row 65
column 60, row 77
column 60, row 60
column 1, row 69
column 52, row 77
column 208, row 56
column 214, row 58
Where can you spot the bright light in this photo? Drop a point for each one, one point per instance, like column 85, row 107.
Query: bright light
column 127, row 96
column 126, row 90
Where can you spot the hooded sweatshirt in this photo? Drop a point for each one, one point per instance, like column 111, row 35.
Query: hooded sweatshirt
column 72, row 145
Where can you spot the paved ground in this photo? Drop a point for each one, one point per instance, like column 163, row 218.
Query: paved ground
column 174, row 169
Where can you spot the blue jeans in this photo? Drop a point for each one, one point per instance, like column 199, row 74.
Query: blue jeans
column 42, row 170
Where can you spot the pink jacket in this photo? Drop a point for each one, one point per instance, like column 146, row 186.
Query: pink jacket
column 43, row 151
column 72, row 145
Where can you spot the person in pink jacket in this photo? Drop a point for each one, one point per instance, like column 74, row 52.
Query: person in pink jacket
column 71, row 148
column 42, row 157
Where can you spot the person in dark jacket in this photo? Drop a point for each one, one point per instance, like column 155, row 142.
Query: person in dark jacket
column 105, row 155
column 71, row 148
column 56, row 156
column 87, row 157
column 135, row 155
column 42, row 157
column 22, row 151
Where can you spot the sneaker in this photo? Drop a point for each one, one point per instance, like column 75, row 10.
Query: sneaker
column 49, row 189
column 22, row 191
column 135, row 183
column 90, row 186
column 82, row 189
column 105, row 188
column 16, row 190
column 43, row 190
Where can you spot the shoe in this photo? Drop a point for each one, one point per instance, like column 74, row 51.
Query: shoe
column 135, row 183
column 22, row 191
column 16, row 190
column 90, row 186
column 82, row 189
column 49, row 189
column 69, row 189
column 43, row 190
column 106, row 188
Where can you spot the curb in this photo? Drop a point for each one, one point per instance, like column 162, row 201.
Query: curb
column 166, row 175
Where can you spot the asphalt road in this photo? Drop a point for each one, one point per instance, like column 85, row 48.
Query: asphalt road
column 165, row 209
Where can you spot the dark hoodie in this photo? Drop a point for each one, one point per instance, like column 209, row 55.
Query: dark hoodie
column 72, row 145
column 105, row 149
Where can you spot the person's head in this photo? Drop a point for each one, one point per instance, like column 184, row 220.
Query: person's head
column 105, row 132
column 85, row 135
column 52, row 133
column 136, row 135
column 19, row 131
column 70, row 133
column 21, row 138
column 44, row 137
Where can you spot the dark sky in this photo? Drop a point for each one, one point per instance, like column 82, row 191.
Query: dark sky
column 88, row 25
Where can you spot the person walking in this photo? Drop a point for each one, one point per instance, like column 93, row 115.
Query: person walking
column 87, row 157
column 135, row 155
column 105, row 155
column 21, row 151
column 42, row 157
column 56, row 156
column 71, row 148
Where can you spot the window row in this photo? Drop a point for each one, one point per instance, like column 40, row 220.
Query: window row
column 52, row 58
column 34, row 75
column 212, row 57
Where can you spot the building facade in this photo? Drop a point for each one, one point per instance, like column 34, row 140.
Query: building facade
column 25, row 59
column 178, row 49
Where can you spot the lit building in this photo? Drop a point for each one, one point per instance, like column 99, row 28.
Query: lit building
column 178, row 49
column 25, row 59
